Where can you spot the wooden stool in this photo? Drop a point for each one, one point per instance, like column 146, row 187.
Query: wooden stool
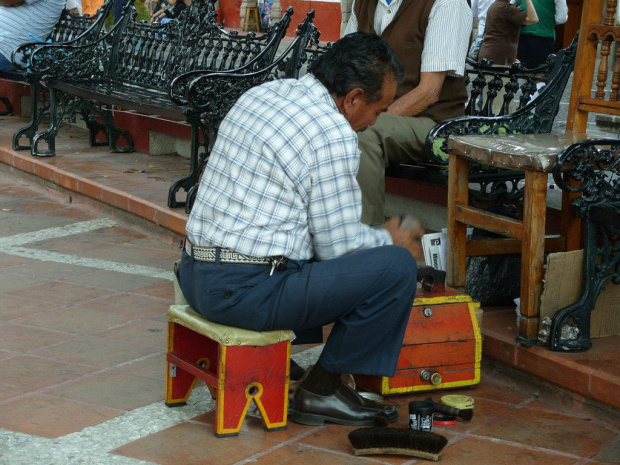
column 238, row 366
column 535, row 154
column 252, row 18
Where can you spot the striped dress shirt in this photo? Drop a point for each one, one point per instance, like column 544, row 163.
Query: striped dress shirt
column 17, row 23
column 281, row 178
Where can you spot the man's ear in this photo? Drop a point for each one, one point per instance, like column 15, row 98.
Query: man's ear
column 353, row 100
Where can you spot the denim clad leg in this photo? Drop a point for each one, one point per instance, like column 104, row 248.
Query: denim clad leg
column 368, row 294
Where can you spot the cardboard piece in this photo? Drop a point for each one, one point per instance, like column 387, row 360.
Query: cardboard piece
column 563, row 285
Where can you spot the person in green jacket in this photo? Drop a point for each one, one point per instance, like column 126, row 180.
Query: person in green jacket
column 537, row 40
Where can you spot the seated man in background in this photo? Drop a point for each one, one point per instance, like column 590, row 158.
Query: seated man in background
column 431, row 39
column 24, row 21
column 274, row 239
column 168, row 12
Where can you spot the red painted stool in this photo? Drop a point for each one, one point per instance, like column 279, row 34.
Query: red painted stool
column 237, row 365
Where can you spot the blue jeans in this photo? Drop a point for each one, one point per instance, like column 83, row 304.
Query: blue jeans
column 367, row 295
column 117, row 8
column 5, row 63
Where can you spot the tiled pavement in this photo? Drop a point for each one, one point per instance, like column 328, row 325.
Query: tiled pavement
column 84, row 288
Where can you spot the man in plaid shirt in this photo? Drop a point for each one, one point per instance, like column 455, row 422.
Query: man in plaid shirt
column 275, row 241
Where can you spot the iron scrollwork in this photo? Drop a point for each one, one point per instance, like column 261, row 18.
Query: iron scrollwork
column 591, row 169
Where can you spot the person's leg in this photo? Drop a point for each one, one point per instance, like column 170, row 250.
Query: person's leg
column 368, row 294
column 533, row 50
column 391, row 140
column 118, row 9
column 5, row 63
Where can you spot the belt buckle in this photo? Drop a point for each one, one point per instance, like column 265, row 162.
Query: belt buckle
column 275, row 262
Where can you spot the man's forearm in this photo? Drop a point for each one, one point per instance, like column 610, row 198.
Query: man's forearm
column 421, row 97
column 532, row 16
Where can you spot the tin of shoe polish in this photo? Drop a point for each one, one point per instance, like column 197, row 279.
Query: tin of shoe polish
column 421, row 415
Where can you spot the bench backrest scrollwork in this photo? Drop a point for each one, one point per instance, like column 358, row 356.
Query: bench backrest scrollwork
column 71, row 29
column 154, row 54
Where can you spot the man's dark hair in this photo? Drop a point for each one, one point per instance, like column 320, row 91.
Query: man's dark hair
column 359, row 60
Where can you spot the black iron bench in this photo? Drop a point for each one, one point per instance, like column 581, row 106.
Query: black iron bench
column 591, row 169
column 71, row 28
column 132, row 67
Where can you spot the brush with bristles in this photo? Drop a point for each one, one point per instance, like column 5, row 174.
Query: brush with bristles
column 462, row 413
column 381, row 439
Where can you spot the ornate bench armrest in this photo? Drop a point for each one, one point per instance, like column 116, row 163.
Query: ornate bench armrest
column 192, row 87
column 71, row 29
column 521, row 122
column 61, row 60
column 591, row 168
column 179, row 85
column 214, row 94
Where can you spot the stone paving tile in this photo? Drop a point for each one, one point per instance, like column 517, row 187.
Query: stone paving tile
column 17, row 285
column 96, row 351
column 61, row 293
column 27, row 339
column 549, row 430
column 131, row 304
column 35, row 372
column 51, row 417
column 150, row 332
column 477, row 450
column 18, row 307
column 194, row 443
column 76, row 319
column 114, row 281
column 114, row 388
column 50, row 270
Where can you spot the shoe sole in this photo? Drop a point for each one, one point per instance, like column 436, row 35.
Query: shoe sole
column 312, row 419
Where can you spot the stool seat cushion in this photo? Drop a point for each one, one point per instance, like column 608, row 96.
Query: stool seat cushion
column 225, row 335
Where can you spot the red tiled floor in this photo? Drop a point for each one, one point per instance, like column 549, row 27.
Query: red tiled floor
column 33, row 373
column 51, row 417
column 186, row 443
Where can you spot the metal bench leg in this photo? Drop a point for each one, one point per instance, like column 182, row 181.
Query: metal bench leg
column 100, row 120
column 60, row 106
column 39, row 107
column 570, row 327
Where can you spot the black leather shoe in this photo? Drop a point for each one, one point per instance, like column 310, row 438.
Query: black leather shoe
column 345, row 407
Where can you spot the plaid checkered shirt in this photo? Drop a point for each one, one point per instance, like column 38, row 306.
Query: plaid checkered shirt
column 281, row 178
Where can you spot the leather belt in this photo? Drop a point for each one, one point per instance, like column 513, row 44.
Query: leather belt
column 209, row 254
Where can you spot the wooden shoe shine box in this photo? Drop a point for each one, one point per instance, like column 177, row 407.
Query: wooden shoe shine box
column 442, row 347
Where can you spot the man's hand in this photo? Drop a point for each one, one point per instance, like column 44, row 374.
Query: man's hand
column 407, row 233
